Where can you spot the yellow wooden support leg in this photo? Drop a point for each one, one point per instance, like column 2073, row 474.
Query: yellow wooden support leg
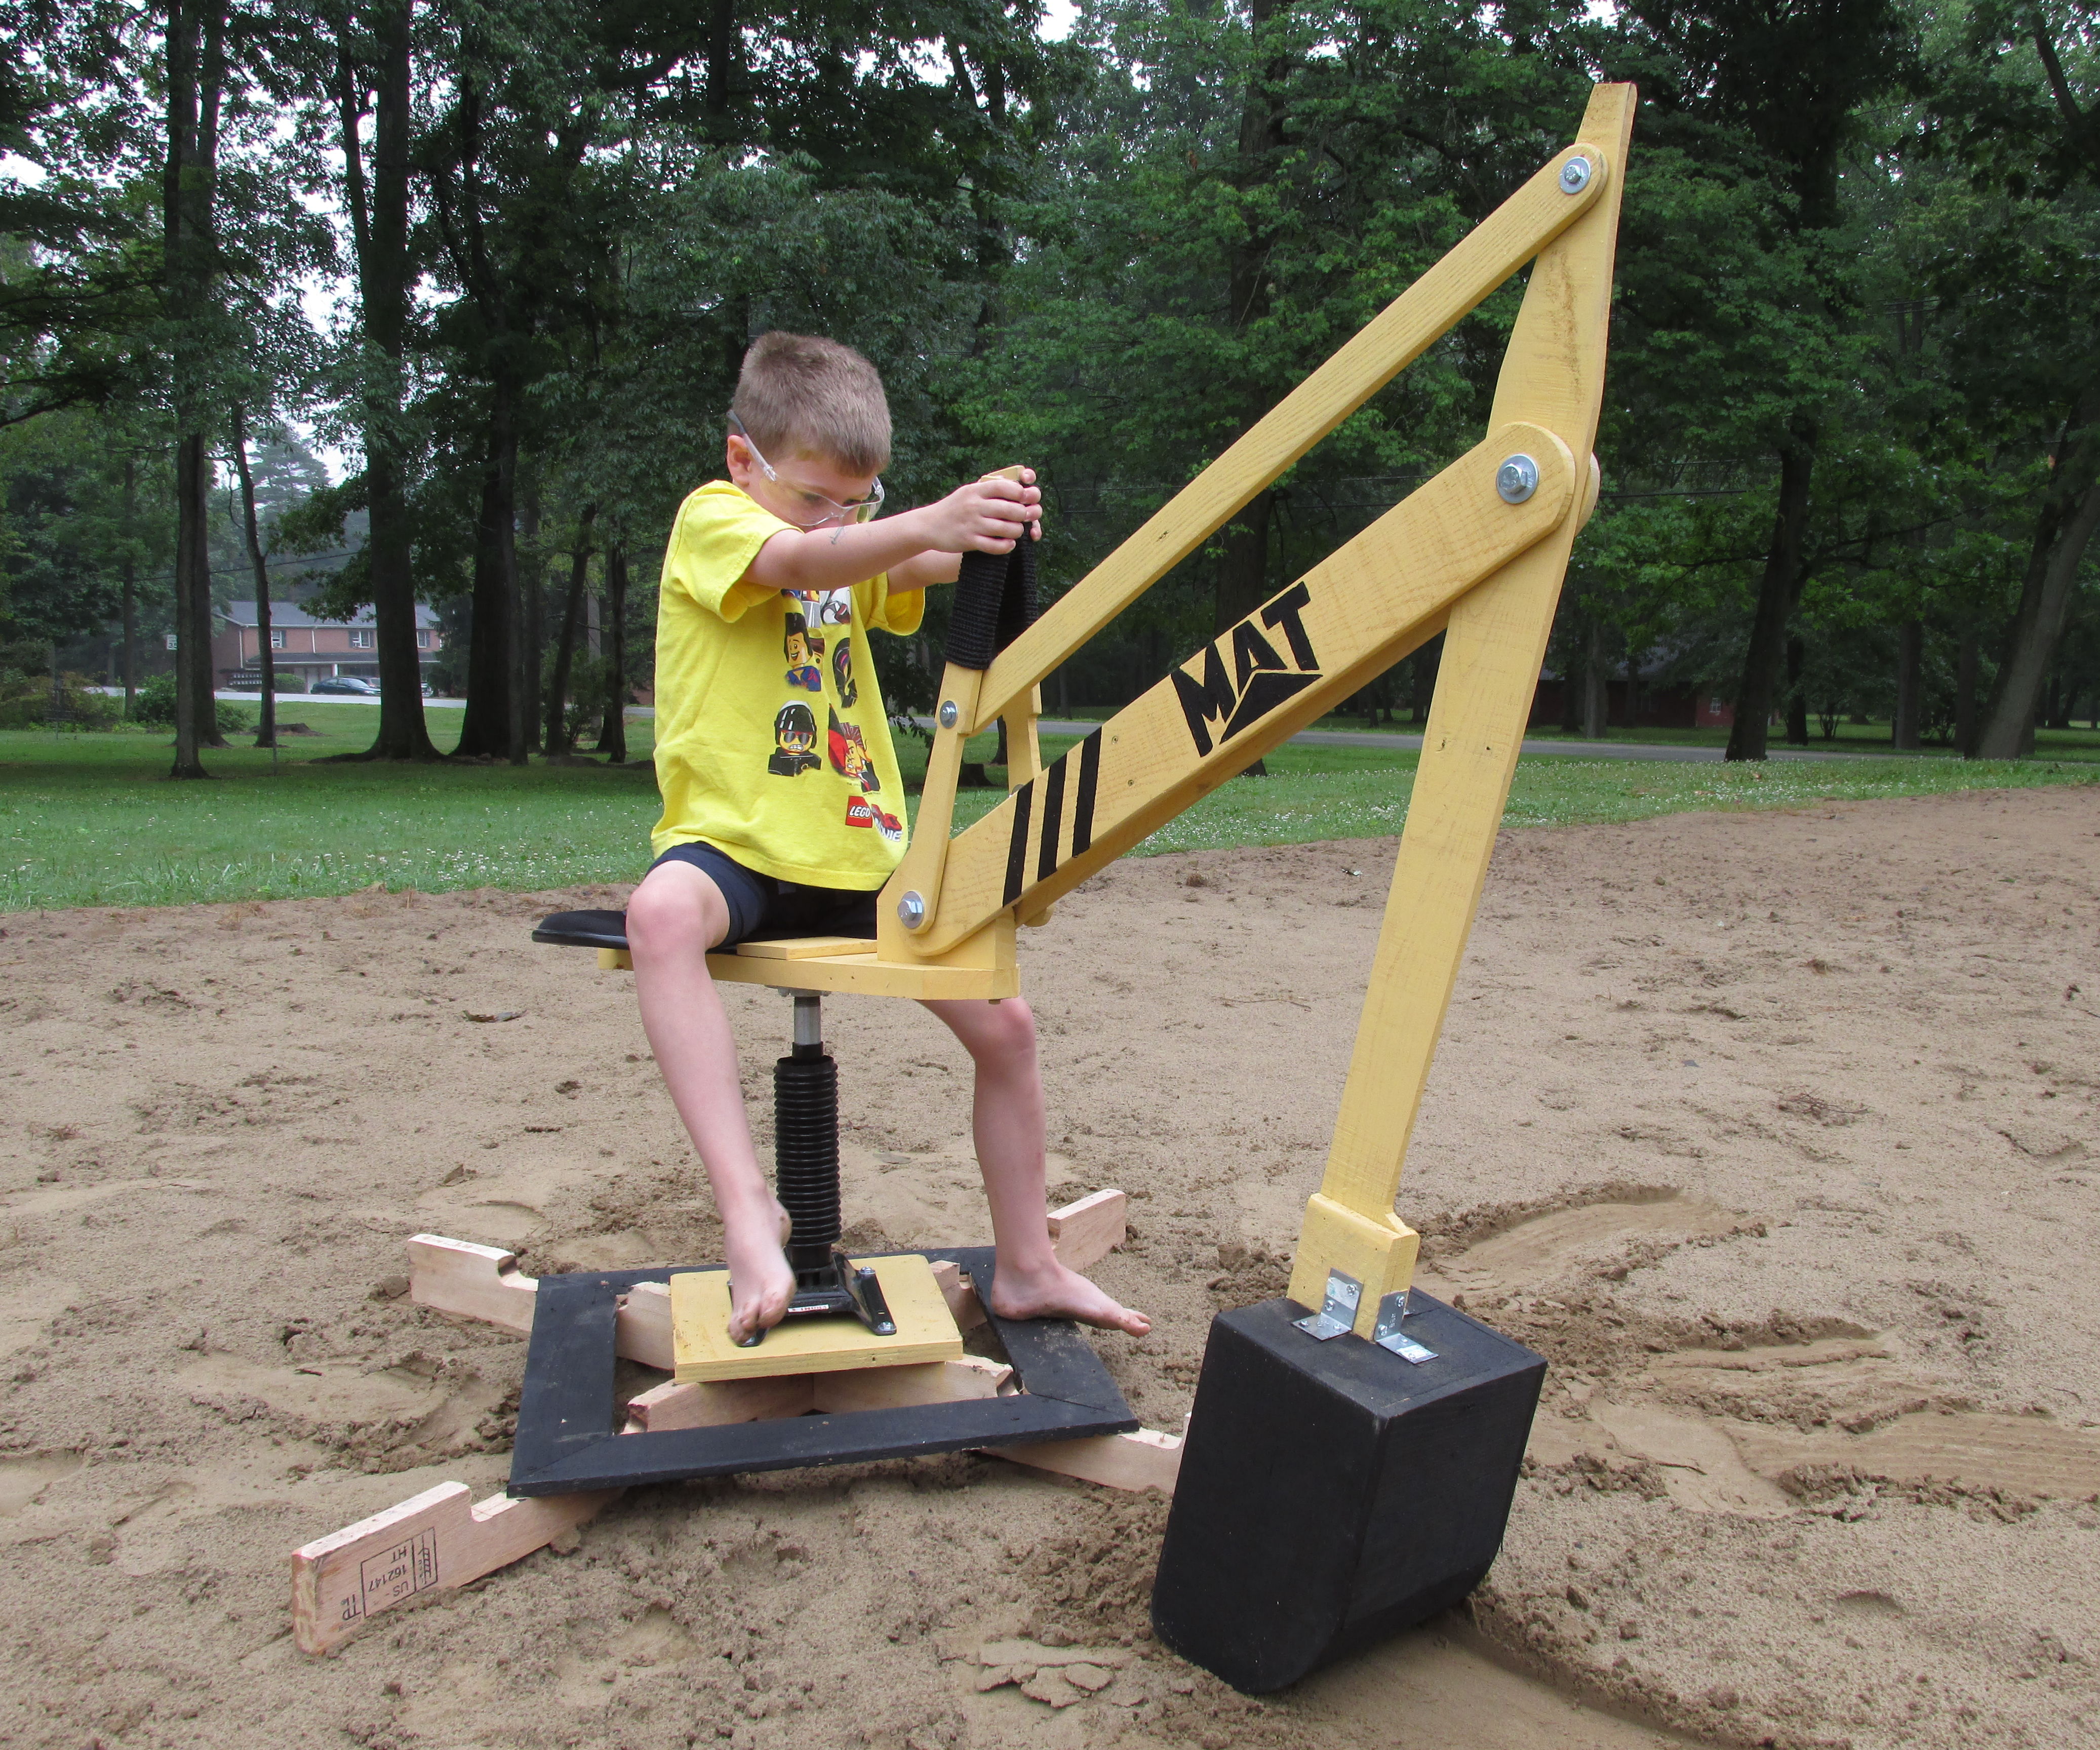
column 1553, row 376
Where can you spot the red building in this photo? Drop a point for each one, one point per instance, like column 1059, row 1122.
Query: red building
column 311, row 649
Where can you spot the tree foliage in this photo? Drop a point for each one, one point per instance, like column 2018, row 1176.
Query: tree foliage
column 504, row 260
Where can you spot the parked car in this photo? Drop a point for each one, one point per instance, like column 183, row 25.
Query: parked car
column 346, row 683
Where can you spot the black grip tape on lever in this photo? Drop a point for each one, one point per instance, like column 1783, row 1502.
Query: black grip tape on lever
column 995, row 603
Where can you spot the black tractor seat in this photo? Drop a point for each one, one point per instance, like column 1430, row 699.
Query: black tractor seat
column 608, row 929
column 584, row 929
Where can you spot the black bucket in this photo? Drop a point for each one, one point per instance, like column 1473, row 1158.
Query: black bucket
column 1331, row 1493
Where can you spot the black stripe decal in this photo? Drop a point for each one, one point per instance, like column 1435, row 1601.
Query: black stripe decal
column 1053, row 817
column 1016, row 849
column 1082, row 804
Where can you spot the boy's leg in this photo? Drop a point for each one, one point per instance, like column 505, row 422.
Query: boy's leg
column 1006, row 1121
column 674, row 918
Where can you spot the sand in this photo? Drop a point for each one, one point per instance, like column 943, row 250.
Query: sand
column 1776, row 1133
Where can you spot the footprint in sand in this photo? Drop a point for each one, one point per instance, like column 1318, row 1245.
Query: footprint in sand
column 1556, row 1246
column 341, row 1404
column 25, row 1477
column 1717, row 1464
column 327, row 1392
column 506, row 1207
column 26, row 1308
column 1726, row 1429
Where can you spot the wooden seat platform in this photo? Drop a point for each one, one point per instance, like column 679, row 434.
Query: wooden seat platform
column 845, row 965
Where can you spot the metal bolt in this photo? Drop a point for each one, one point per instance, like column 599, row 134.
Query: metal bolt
column 1574, row 176
column 1516, row 479
column 911, row 910
column 949, row 714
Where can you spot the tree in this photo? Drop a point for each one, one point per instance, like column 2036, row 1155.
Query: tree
column 2023, row 95
column 1762, row 99
column 66, row 533
column 370, row 73
column 1240, row 192
column 266, row 733
column 196, row 82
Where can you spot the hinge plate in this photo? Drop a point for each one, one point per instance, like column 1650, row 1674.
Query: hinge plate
column 1388, row 1335
column 1338, row 1312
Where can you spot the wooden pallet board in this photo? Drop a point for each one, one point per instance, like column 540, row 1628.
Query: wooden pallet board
column 702, row 1350
column 440, row 1540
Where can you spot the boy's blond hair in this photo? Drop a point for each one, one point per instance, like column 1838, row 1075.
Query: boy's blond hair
column 799, row 394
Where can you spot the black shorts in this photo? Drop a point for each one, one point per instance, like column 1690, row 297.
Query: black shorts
column 761, row 908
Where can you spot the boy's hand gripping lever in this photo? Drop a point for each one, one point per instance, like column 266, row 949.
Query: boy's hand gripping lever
column 995, row 603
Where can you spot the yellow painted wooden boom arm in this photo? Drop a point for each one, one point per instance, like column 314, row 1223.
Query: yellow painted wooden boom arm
column 1478, row 553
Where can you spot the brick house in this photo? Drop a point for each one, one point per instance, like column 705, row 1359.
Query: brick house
column 313, row 649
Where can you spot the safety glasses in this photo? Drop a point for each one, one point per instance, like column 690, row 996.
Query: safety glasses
column 819, row 509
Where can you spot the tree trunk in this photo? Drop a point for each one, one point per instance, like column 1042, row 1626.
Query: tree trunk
column 1596, row 685
column 266, row 733
column 1574, row 667
column 131, row 575
column 1422, row 691
column 529, row 606
column 195, row 73
column 2070, row 513
column 1967, row 661
column 565, row 648
column 612, row 733
column 379, row 241
column 190, row 574
column 1242, row 582
column 726, row 101
column 493, row 724
column 1910, row 684
column 1796, row 692
column 1778, row 591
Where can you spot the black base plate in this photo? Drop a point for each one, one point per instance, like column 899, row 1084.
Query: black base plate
column 1332, row 1494
column 568, row 1419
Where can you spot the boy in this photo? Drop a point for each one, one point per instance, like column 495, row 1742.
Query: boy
column 753, row 843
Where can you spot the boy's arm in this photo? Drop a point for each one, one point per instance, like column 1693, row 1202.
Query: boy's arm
column 986, row 516
column 924, row 568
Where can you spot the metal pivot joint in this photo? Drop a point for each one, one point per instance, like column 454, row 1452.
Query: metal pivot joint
column 1516, row 479
column 1575, row 176
column 911, row 910
column 949, row 716
column 805, row 1170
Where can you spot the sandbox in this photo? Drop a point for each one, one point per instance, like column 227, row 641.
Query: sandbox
column 1776, row 1134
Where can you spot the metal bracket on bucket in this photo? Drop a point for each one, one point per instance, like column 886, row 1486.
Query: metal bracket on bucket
column 1390, row 1336
column 1338, row 1312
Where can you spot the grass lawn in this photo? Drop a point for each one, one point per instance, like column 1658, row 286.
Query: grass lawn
column 90, row 819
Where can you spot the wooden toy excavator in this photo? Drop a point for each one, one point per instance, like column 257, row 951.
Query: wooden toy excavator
column 1353, row 1450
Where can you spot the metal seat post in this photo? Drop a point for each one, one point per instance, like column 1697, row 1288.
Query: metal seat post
column 806, row 1167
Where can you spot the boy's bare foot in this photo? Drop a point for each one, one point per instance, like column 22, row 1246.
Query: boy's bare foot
column 761, row 1285
column 1057, row 1293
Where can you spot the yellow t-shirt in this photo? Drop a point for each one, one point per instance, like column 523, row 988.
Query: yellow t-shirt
column 772, row 743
